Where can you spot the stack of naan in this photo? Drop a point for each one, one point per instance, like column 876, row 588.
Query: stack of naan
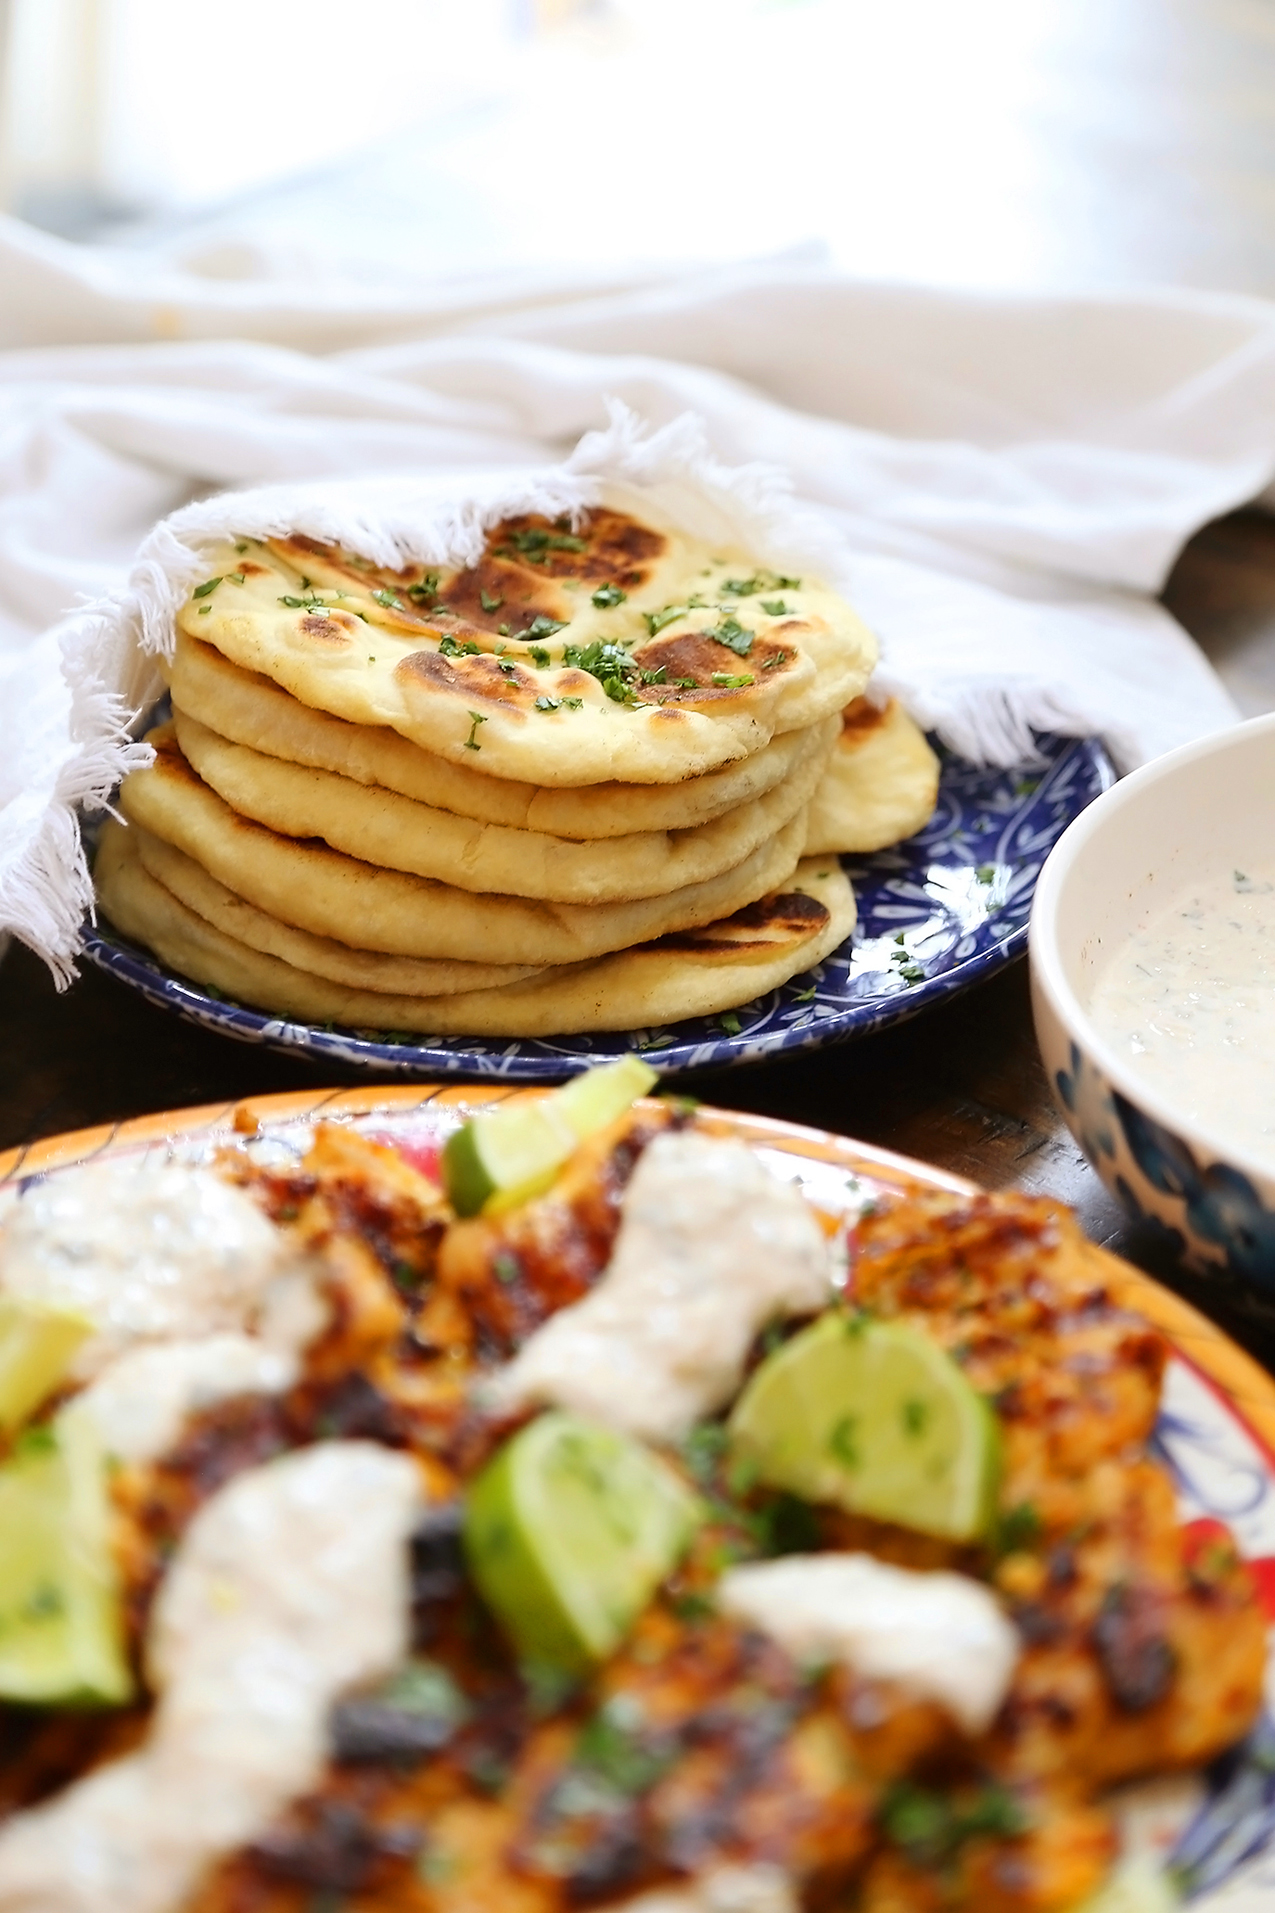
column 594, row 781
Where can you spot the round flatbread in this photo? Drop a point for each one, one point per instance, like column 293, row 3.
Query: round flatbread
column 570, row 654
column 396, row 833
column 881, row 784
column 314, row 888
column 249, row 709
column 714, row 969
column 356, row 969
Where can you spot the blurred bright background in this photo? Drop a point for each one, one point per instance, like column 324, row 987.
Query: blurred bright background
column 996, row 143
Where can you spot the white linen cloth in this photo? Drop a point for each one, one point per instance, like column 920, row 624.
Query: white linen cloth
column 1006, row 480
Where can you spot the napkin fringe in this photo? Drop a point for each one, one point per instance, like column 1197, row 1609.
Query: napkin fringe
column 48, row 890
column 396, row 521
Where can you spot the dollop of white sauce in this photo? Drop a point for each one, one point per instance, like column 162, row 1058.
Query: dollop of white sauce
column 741, row 1889
column 941, row 1636
column 154, row 1252
column 711, row 1247
column 291, row 1585
column 1188, row 1000
column 138, row 1404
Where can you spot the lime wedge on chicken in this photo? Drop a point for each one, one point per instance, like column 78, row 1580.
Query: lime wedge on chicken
column 37, row 1341
column 61, row 1634
column 876, row 1418
column 505, row 1156
column 568, row 1532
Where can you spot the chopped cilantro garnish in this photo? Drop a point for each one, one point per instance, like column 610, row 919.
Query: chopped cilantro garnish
column 489, row 601
column 725, row 682
column 548, row 703
column 205, row 610
column 471, row 742
column 686, row 684
column 776, row 657
column 539, row 657
column 1018, row 1528
column 655, row 677
column 931, row 1827
column 390, row 600
column 656, row 620
column 540, row 627
column 448, row 647
column 734, row 635
column 573, row 703
column 607, row 596
column 507, row 668
column 312, row 602
column 806, row 996
column 235, row 578
column 609, row 663
column 206, row 590
column 242, row 545
column 774, row 607
column 536, row 545
column 729, row 1022
column 760, row 581
column 425, row 589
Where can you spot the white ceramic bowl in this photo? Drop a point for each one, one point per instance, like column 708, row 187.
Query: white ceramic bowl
column 1208, row 806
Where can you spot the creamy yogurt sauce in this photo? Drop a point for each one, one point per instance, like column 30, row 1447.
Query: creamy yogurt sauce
column 290, row 1586
column 711, row 1248
column 138, row 1404
column 155, row 1252
column 942, row 1636
column 1188, row 1001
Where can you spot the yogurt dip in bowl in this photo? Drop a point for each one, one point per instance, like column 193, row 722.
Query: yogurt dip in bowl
column 1153, row 987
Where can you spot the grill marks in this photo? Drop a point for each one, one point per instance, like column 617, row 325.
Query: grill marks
column 1119, row 1624
column 499, row 1279
column 791, row 917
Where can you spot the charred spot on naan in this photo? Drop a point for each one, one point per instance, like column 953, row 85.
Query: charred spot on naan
column 329, row 627
column 788, row 918
column 502, row 598
column 605, row 547
column 861, row 717
column 480, row 678
column 692, row 660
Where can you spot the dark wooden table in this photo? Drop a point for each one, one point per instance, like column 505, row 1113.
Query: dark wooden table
column 961, row 1086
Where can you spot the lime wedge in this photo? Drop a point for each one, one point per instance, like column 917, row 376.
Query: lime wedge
column 37, row 1342
column 61, row 1637
column 875, row 1418
column 505, row 1156
column 591, row 1101
column 568, row 1532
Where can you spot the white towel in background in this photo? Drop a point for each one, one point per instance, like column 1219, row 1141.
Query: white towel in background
column 1006, row 481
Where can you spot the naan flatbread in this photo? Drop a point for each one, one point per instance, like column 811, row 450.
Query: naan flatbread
column 396, row 833
column 569, row 655
column 700, row 974
column 314, row 888
column 249, row 709
column 323, row 956
column 881, row 784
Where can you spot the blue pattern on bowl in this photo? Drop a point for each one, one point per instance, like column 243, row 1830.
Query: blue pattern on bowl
column 1210, row 1214
column 936, row 914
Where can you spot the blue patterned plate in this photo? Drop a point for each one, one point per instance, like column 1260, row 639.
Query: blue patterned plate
column 936, row 914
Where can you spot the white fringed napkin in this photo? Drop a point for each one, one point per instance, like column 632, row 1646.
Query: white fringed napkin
column 999, row 485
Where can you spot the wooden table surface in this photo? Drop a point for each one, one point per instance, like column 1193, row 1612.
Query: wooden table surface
column 961, row 1085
